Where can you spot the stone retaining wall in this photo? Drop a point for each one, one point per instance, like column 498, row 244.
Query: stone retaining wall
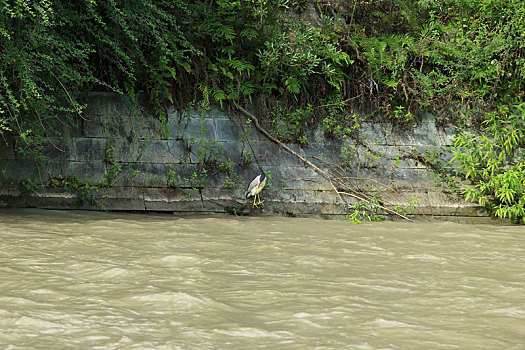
column 117, row 137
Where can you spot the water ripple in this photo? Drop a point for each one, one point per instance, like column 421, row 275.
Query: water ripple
column 113, row 281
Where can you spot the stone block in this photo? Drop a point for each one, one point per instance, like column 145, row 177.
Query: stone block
column 162, row 199
column 420, row 134
column 151, row 174
column 147, row 127
column 216, row 112
column 122, row 198
column 246, row 173
column 300, row 195
column 327, row 152
column 225, row 195
column 402, row 197
column 93, row 126
column 410, row 178
column 109, row 104
column 177, row 126
column 81, row 149
column 192, row 128
column 304, row 178
column 56, row 149
column 376, row 133
column 155, row 151
column 127, row 123
column 446, row 135
column 156, row 174
column 42, row 197
column 7, row 147
column 62, row 126
column 228, row 130
column 124, row 151
column 172, row 151
column 86, row 170
column 379, row 177
column 19, row 169
column 252, row 133
column 124, row 126
column 50, row 169
column 269, row 153
column 23, row 169
column 234, row 151
column 130, row 175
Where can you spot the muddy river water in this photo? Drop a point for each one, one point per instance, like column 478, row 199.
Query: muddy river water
column 92, row 280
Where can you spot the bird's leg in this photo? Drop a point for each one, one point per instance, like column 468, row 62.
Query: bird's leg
column 254, row 197
column 260, row 201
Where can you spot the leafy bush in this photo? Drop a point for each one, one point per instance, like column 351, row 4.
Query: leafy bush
column 299, row 51
column 52, row 51
column 470, row 52
column 289, row 125
column 494, row 163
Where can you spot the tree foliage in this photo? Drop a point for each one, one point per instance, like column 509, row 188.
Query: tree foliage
column 54, row 50
column 394, row 53
column 469, row 52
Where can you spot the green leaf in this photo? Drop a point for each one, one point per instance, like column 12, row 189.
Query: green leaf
column 292, row 85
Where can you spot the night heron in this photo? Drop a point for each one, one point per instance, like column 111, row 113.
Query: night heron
column 255, row 188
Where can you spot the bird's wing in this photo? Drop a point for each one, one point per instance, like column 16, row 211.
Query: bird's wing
column 254, row 183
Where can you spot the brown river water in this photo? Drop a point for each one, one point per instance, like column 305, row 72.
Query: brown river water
column 92, row 280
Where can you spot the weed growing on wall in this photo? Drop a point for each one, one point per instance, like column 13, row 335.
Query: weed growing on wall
column 340, row 125
column 28, row 186
column 195, row 182
column 85, row 190
column 3, row 177
column 246, row 153
column 113, row 169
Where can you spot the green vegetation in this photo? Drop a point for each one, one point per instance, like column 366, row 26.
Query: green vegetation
column 113, row 169
column 397, row 55
column 3, row 177
column 247, row 154
column 28, row 186
column 302, row 62
column 495, row 164
column 289, row 125
column 53, row 51
column 194, row 182
column 372, row 209
column 84, row 189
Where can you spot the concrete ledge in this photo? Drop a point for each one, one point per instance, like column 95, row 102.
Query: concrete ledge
column 188, row 200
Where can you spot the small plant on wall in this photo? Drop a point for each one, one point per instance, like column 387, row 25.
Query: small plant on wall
column 194, row 182
column 3, row 177
column 28, row 186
